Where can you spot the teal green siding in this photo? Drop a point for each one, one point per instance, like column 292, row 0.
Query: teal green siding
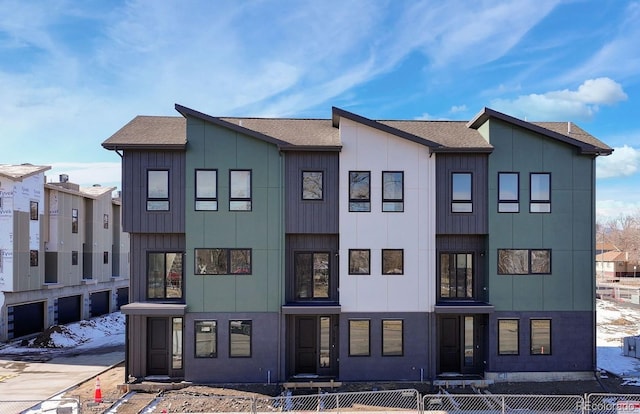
column 567, row 230
column 261, row 229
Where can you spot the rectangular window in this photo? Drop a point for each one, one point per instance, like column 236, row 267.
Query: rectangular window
column 206, row 339
column 33, row 258
column 508, row 342
column 359, row 191
column 158, row 190
column 392, row 261
column 240, row 190
column 392, row 337
column 240, row 339
column 540, row 336
column 223, row 261
column 105, row 257
column 359, row 261
column 325, row 342
column 456, row 276
column 359, row 337
column 393, row 191
column 176, row 343
column 540, row 193
column 508, row 192
column 206, row 190
column 524, row 262
column 74, row 258
column 74, row 220
column 164, row 275
column 312, row 185
column 105, row 221
column 33, row 210
column 311, row 275
column 461, row 194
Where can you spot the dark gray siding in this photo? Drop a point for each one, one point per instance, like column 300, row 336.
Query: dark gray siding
column 315, row 243
column 311, row 216
column 467, row 244
column 140, row 245
column 461, row 223
column 136, row 218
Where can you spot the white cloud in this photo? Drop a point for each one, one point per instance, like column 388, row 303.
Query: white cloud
column 458, row 108
column 610, row 208
column 623, row 162
column 581, row 104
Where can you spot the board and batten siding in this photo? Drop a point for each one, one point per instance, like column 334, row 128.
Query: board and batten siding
column 368, row 149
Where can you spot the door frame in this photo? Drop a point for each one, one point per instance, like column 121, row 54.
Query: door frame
column 325, row 334
column 469, row 344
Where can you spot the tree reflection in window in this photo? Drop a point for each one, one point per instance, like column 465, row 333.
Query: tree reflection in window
column 312, row 185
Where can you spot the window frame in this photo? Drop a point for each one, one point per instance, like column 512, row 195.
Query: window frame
column 202, row 201
column 542, row 205
column 34, row 258
column 165, row 276
column 351, row 338
column 384, row 338
column 33, row 210
column 105, row 257
column 501, row 350
column 228, row 257
column 463, row 202
column 74, row 221
column 246, row 200
column 105, row 221
column 74, row 258
column 214, row 340
column 368, row 271
column 312, row 287
column 549, row 333
column 388, row 201
column 529, row 262
column 243, row 323
column 382, row 257
column 302, row 185
column 452, row 272
column 504, row 204
column 160, row 200
column 364, row 202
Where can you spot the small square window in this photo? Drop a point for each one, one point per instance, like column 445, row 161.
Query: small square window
column 359, row 261
column 33, row 210
column 392, row 261
column 312, row 185
column 206, row 339
column 359, row 337
column 240, row 338
column 540, row 336
column 359, row 191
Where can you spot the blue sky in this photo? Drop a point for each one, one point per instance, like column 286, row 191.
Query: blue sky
column 73, row 72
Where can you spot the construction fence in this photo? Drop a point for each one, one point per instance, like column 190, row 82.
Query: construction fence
column 53, row 406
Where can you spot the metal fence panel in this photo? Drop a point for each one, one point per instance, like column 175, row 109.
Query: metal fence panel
column 53, row 406
column 613, row 403
column 499, row 404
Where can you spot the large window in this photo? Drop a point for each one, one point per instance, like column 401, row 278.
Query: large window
column 359, row 191
column 359, row 337
column 312, row 275
column 164, row 275
column 312, row 185
column 392, row 261
column 223, row 261
column 540, row 336
column 456, row 275
column 508, row 342
column 240, row 339
column 359, row 261
column 540, row 193
column 33, row 210
column 524, row 262
column 206, row 339
column 206, row 190
column 393, row 191
column 508, row 192
column 158, row 190
column 240, row 193
column 461, row 197
column 392, row 337
column 74, row 220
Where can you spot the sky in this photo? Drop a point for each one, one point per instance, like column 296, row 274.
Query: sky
column 73, row 73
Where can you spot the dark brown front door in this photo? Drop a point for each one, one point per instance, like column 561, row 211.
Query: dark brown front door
column 158, row 346
column 306, row 345
column 449, row 337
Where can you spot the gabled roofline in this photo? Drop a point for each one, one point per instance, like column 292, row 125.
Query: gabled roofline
column 487, row 113
column 39, row 169
column 184, row 111
column 337, row 113
column 80, row 192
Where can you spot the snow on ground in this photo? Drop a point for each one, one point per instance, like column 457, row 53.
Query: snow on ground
column 616, row 321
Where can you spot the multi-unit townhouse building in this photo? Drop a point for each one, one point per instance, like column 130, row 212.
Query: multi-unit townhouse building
column 63, row 254
column 274, row 250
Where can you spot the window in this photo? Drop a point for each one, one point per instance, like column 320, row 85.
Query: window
column 359, row 191
column 105, row 257
column 158, row 190
column 164, row 275
column 392, row 337
column 456, row 275
column 33, row 258
column 33, row 210
column 393, row 191
column 540, row 193
column 540, row 336
column 461, row 201
column 392, row 261
column 176, row 343
column 74, row 258
column 74, row 220
column 359, row 337
column 105, row 221
column 206, row 339
column 312, row 275
column 312, row 185
column 240, row 339
column 223, row 261
column 359, row 262
column 524, row 262
column 508, row 192
column 206, row 190
column 508, row 342
column 240, row 185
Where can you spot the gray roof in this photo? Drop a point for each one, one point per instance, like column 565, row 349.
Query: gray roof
column 148, row 132
column 448, row 134
column 298, row 132
column 22, row 171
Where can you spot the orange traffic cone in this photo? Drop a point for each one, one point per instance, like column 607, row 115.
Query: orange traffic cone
column 97, row 396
